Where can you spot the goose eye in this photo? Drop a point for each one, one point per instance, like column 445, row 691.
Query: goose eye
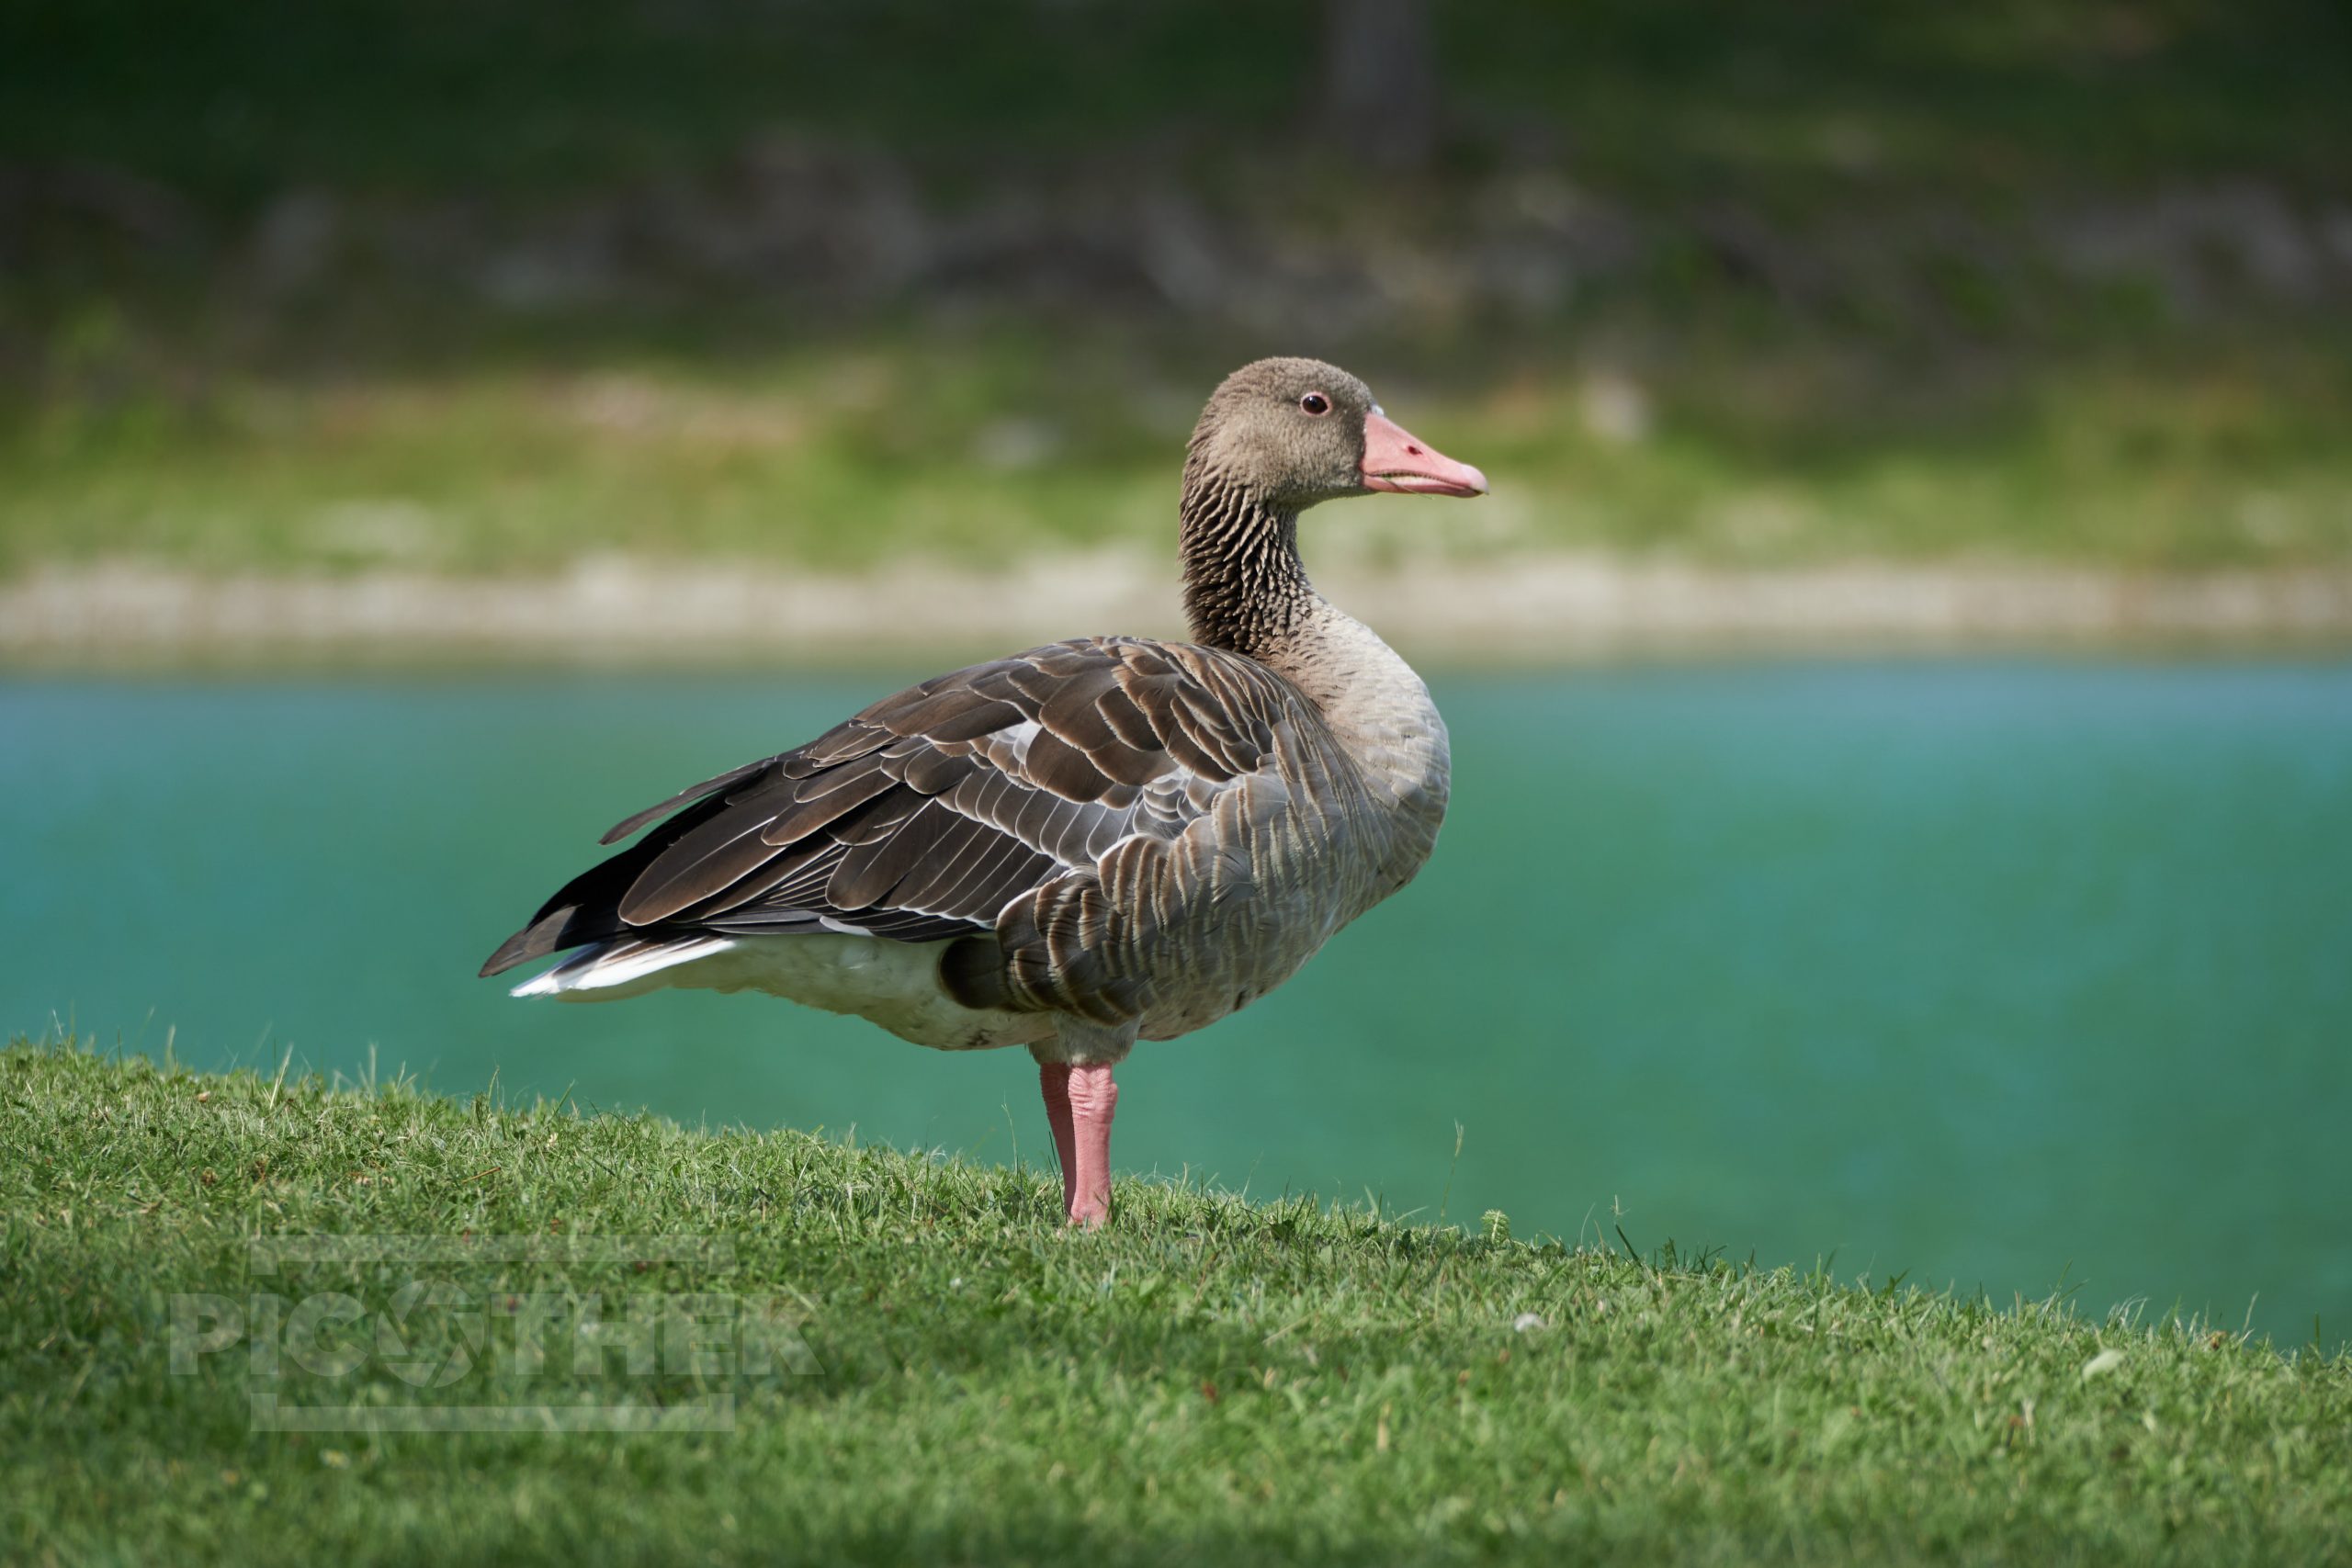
column 1315, row 402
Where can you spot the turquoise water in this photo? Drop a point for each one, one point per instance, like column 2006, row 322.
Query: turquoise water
column 2024, row 977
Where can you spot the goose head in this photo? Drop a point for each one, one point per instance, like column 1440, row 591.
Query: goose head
column 1296, row 432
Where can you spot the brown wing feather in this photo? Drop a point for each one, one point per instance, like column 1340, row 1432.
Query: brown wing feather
column 628, row 825
column 932, row 811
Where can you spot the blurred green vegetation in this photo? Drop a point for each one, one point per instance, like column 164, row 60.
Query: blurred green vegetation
column 233, row 103
column 2066, row 282
column 1002, row 442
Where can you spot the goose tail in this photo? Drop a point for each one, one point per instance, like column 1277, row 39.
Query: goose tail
column 625, row 966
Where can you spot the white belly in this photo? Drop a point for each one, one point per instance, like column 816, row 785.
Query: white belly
column 894, row 983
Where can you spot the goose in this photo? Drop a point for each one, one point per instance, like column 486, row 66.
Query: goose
column 1096, row 841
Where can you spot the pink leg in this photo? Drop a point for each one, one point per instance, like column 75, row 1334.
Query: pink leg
column 1093, row 1099
column 1053, row 1078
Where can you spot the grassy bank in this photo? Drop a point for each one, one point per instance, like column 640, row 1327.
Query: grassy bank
column 1211, row 1379
column 1000, row 447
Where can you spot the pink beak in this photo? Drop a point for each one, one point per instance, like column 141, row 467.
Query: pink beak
column 1394, row 459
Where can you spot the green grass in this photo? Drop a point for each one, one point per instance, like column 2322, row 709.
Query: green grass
column 1210, row 1380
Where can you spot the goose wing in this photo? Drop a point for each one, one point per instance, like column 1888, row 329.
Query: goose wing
column 925, row 815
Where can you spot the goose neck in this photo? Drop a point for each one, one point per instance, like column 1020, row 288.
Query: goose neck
column 1245, row 587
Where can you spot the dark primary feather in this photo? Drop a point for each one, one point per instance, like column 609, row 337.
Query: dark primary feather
column 935, row 808
column 628, row 825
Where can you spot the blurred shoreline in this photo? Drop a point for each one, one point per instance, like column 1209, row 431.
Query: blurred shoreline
column 1557, row 607
column 577, row 332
